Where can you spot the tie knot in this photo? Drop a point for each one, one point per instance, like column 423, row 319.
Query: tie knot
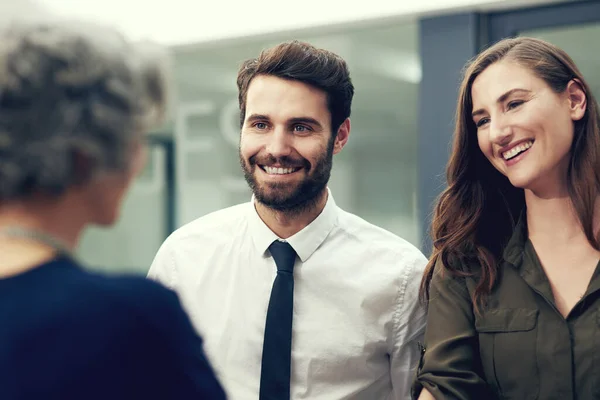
column 284, row 255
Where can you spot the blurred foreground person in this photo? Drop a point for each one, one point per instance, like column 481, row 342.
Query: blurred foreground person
column 75, row 102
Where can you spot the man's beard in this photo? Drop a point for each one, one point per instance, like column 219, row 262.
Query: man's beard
column 283, row 196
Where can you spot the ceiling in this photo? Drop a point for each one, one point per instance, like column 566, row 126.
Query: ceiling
column 183, row 21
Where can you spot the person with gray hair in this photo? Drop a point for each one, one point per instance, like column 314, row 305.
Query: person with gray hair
column 75, row 102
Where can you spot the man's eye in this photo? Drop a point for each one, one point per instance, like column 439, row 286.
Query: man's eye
column 301, row 128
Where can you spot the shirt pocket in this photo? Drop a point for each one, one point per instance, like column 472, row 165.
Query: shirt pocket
column 508, row 351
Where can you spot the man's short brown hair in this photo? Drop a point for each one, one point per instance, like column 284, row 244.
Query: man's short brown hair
column 302, row 62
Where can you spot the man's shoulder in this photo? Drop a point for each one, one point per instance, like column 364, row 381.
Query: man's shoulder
column 379, row 239
column 223, row 221
column 198, row 241
column 368, row 232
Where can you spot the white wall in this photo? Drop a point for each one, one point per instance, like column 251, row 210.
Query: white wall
column 191, row 21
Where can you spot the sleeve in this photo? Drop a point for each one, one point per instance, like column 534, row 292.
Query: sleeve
column 163, row 267
column 179, row 361
column 409, row 327
column 450, row 367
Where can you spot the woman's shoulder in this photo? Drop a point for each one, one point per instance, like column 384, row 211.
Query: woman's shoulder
column 115, row 293
column 461, row 276
column 131, row 290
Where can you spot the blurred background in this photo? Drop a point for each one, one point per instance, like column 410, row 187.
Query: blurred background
column 405, row 59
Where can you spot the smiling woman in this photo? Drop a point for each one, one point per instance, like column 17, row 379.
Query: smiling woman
column 515, row 108
column 516, row 234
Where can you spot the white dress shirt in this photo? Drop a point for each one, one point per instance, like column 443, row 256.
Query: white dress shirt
column 356, row 318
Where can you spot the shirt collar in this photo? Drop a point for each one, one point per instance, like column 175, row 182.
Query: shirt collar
column 521, row 255
column 304, row 242
column 513, row 252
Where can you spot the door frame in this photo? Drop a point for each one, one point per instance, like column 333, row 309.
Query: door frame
column 505, row 24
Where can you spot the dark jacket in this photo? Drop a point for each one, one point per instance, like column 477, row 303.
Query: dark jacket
column 70, row 334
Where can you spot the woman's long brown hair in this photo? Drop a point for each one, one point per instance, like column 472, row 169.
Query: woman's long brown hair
column 475, row 215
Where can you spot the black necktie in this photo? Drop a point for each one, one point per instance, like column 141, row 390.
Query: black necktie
column 277, row 346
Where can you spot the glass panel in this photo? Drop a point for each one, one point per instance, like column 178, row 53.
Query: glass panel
column 131, row 244
column 374, row 177
column 581, row 43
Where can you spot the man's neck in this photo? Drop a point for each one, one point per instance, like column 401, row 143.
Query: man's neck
column 285, row 224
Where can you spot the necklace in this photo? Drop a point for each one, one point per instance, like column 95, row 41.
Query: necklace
column 25, row 233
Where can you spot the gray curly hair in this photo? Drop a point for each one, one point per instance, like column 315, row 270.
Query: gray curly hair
column 68, row 90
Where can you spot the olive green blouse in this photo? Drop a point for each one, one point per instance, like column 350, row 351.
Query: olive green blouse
column 520, row 346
